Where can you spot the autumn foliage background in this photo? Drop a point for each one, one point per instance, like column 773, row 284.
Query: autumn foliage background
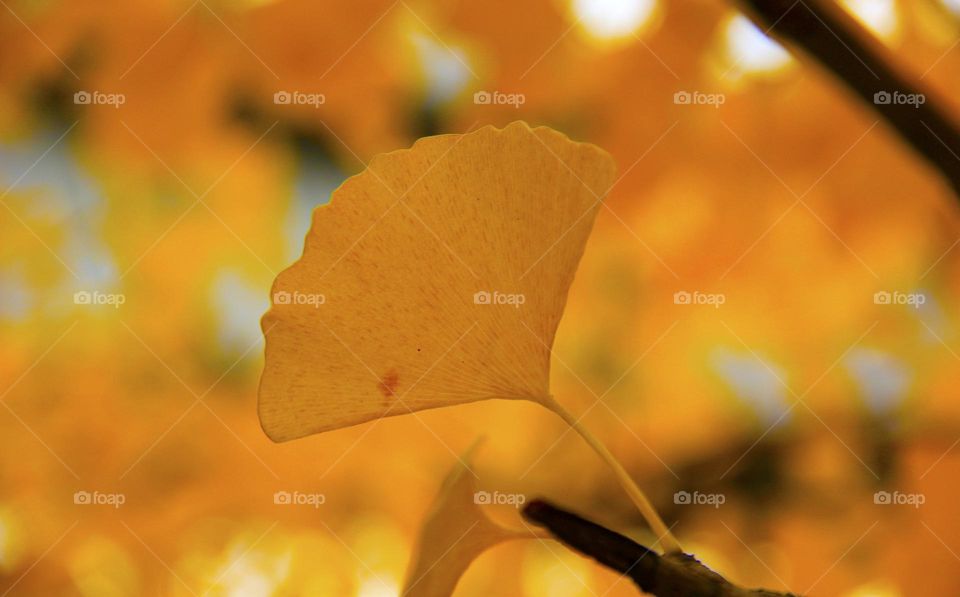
column 797, row 399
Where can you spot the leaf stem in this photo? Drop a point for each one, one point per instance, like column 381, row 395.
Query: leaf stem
column 649, row 513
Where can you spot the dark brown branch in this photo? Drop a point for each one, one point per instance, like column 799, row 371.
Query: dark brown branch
column 849, row 51
column 671, row 575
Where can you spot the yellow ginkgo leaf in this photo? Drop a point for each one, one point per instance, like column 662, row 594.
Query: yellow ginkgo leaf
column 436, row 277
column 455, row 532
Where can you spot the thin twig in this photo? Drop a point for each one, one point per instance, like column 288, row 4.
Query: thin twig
column 844, row 47
column 670, row 575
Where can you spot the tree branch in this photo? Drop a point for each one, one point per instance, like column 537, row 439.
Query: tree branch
column 845, row 48
column 670, row 575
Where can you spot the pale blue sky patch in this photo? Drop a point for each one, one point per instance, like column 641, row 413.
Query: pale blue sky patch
column 237, row 306
column 63, row 194
column 16, row 296
column 316, row 180
column 755, row 382
column 882, row 379
column 444, row 69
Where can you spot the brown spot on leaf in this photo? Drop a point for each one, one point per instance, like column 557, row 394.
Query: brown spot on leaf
column 388, row 384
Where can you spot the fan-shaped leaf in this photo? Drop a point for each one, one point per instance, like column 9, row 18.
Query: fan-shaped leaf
column 455, row 532
column 435, row 277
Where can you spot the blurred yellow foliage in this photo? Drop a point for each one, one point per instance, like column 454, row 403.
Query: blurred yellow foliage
column 798, row 398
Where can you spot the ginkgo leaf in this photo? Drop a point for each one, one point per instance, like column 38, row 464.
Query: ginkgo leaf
column 435, row 277
column 455, row 532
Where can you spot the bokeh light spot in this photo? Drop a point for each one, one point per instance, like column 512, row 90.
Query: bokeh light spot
column 880, row 16
column 5, row 544
column 751, row 49
column 613, row 19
